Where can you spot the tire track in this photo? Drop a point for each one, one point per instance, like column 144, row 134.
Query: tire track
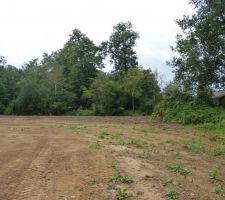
column 34, row 178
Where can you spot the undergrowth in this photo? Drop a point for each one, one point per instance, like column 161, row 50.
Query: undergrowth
column 190, row 112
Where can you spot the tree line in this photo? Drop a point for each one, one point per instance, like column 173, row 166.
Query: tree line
column 71, row 80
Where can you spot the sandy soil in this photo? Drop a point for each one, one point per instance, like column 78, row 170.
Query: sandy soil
column 66, row 158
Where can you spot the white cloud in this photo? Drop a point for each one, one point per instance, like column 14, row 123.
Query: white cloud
column 31, row 27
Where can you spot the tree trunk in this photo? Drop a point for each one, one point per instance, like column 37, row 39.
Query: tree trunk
column 133, row 103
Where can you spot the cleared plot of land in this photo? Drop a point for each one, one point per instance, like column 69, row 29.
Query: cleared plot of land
column 105, row 158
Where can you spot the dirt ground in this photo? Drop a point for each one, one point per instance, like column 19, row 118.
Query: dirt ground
column 74, row 158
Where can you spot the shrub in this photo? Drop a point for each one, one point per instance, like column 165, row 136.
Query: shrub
column 2, row 108
column 187, row 112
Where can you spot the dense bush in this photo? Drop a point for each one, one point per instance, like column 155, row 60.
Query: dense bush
column 188, row 112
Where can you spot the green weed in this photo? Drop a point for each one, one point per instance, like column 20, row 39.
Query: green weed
column 220, row 190
column 195, row 145
column 218, row 127
column 214, row 175
column 103, row 134
column 178, row 169
column 118, row 138
column 136, row 143
column 122, row 179
column 122, row 193
column 96, row 145
column 171, row 195
column 217, row 151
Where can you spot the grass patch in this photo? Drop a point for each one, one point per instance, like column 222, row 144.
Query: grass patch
column 216, row 138
column 178, row 169
column 218, row 127
column 214, row 175
column 194, row 145
column 122, row 179
column 118, row 138
column 136, row 143
column 171, row 195
column 96, row 145
column 217, row 151
column 103, row 134
column 220, row 190
column 122, row 193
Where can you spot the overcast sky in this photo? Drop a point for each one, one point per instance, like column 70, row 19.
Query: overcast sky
column 31, row 27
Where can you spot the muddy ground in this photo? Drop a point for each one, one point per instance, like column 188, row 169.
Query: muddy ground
column 76, row 158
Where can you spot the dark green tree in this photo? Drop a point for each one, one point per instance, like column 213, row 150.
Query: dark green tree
column 107, row 94
column 81, row 59
column 32, row 99
column 121, row 47
column 201, row 47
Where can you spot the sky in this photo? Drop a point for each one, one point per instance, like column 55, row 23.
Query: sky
column 31, row 27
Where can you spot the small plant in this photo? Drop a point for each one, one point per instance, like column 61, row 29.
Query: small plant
column 217, row 151
column 220, row 190
column 123, row 179
column 122, row 193
column 222, row 141
column 117, row 137
column 103, row 134
column 171, row 195
column 178, row 169
column 96, row 145
column 137, row 143
column 214, row 175
column 196, row 146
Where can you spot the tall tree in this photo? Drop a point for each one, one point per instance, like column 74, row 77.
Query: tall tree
column 201, row 47
column 132, row 84
column 81, row 59
column 121, row 47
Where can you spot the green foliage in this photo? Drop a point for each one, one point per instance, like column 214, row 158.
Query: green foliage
column 122, row 179
column 121, row 193
column 171, row 195
column 220, row 190
column 214, row 175
column 200, row 63
column 187, row 112
column 103, row 134
column 82, row 112
column 70, row 80
column 195, row 145
column 135, row 142
column 120, row 47
column 32, row 99
column 2, row 108
column 96, row 145
column 215, row 127
column 217, row 151
column 178, row 169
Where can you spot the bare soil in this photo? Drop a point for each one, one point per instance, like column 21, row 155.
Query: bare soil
column 73, row 158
